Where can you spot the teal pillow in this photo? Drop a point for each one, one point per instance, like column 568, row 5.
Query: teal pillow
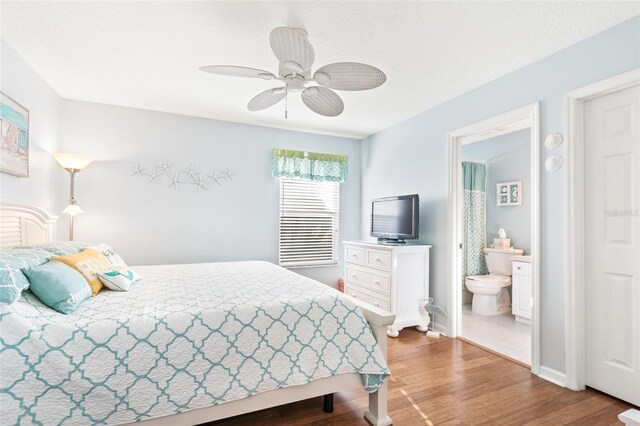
column 12, row 261
column 58, row 286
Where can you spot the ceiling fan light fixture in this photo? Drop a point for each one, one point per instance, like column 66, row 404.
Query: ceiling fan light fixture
column 266, row 76
column 322, row 78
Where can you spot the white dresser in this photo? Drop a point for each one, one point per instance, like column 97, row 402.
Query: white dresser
column 391, row 277
column 521, row 288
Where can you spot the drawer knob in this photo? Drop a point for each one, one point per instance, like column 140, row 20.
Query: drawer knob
column 354, row 255
column 354, row 276
column 377, row 283
column 378, row 261
column 377, row 304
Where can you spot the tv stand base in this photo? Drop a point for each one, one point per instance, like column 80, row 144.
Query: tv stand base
column 391, row 241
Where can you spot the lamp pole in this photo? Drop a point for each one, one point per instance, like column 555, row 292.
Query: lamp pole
column 72, row 163
column 72, row 199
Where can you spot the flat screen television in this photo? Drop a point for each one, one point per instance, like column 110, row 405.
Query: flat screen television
column 395, row 219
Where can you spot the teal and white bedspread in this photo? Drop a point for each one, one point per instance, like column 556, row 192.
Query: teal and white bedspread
column 183, row 337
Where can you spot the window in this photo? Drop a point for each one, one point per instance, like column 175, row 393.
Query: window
column 308, row 222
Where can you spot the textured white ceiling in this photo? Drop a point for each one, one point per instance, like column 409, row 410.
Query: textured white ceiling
column 146, row 54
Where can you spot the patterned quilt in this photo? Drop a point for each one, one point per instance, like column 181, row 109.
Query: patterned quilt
column 183, row 337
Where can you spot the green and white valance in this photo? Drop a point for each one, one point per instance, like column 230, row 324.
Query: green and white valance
column 309, row 165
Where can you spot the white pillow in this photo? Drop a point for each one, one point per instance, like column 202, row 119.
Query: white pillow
column 110, row 254
column 118, row 279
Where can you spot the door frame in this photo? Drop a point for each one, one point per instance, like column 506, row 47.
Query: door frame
column 529, row 114
column 575, row 363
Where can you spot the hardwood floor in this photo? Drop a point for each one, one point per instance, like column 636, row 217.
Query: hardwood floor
column 450, row 382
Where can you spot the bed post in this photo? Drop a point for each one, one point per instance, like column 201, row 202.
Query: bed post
column 327, row 406
column 377, row 414
column 378, row 320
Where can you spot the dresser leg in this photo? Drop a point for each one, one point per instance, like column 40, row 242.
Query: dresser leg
column 392, row 332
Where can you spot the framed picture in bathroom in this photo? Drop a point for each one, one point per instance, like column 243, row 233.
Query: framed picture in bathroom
column 509, row 194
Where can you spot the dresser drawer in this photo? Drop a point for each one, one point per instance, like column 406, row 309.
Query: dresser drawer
column 354, row 255
column 521, row 268
column 363, row 294
column 377, row 282
column 379, row 259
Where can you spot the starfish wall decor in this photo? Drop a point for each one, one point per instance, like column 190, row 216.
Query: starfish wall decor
column 169, row 176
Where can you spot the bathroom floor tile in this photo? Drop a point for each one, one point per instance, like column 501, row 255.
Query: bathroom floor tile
column 501, row 333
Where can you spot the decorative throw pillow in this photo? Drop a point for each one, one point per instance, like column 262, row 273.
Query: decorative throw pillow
column 88, row 262
column 58, row 286
column 109, row 253
column 12, row 280
column 118, row 279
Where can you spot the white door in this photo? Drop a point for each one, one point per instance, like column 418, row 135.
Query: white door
column 612, row 243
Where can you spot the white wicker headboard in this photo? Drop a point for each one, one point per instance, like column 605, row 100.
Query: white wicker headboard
column 22, row 224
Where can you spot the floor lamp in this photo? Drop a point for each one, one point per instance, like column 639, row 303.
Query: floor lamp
column 72, row 163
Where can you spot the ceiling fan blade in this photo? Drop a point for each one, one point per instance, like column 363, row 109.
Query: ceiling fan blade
column 323, row 101
column 349, row 76
column 267, row 98
column 234, row 71
column 291, row 45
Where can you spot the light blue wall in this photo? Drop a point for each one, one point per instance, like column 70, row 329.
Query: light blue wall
column 412, row 157
column 508, row 159
column 43, row 186
column 150, row 223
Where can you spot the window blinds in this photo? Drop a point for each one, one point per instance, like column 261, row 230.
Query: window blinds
column 309, row 212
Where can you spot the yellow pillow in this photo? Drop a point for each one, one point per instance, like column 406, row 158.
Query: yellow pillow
column 88, row 262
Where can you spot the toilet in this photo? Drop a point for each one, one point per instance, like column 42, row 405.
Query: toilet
column 490, row 292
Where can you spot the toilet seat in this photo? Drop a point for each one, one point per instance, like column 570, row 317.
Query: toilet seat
column 491, row 291
column 490, row 280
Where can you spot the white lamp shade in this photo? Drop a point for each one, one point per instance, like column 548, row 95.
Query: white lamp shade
column 72, row 209
column 72, row 161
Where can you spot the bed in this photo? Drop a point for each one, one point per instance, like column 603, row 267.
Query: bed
column 187, row 344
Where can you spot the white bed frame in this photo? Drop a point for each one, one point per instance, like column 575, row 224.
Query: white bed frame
column 22, row 224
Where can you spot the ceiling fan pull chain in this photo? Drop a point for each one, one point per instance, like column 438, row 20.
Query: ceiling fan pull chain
column 286, row 103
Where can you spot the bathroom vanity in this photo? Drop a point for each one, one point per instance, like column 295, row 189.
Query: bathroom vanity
column 521, row 288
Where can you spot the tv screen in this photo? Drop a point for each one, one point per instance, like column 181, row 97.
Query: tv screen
column 395, row 218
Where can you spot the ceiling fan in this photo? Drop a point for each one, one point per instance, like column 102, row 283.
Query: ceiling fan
column 296, row 55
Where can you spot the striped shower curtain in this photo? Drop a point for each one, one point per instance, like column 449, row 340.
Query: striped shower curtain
column 474, row 224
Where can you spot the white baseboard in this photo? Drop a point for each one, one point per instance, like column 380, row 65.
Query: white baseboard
column 441, row 328
column 553, row 376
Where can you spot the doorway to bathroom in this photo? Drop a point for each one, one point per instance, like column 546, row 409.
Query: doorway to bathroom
column 493, row 234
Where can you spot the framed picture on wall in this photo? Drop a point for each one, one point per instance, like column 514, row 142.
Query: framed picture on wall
column 14, row 137
column 509, row 194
